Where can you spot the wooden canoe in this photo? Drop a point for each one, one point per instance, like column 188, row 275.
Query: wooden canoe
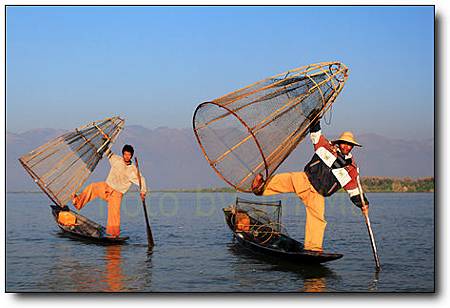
column 280, row 246
column 85, row 229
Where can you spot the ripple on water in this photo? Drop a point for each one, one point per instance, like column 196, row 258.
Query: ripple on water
column 194, row 253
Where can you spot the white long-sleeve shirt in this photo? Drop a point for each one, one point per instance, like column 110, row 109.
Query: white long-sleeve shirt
column 121, row 175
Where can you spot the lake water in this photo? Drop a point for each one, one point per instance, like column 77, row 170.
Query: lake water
column 195, row 251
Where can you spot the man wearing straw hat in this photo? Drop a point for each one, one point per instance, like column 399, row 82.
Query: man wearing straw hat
column 331, row 167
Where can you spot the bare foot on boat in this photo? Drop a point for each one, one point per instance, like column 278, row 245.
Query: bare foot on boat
column 258, row 184
column 74, row 200
column 313, row 252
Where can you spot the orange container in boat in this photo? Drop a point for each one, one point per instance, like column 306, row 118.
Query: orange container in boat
column 67, row 218
column 242, row 222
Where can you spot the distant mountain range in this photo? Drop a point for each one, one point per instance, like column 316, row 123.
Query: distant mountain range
column 171, row 159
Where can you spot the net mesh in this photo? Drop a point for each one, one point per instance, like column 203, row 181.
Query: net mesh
column 254, row 129
column 264, row 219
column 62, row 165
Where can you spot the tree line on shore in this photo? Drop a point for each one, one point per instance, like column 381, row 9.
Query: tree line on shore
column 388, row 184
column 369, row 183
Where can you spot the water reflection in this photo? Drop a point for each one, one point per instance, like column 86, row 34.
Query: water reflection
column 38, row 260
column 373, row 285
column 72, row 270
column 315, row 277
column 314, row 285
column 114, row 276
column 119, row 277
column 82, row 266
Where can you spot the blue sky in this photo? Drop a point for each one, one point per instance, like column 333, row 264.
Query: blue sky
column 153, row 65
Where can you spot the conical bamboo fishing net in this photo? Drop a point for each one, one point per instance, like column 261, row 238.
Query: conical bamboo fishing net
column 62, row 165
column 254, row 129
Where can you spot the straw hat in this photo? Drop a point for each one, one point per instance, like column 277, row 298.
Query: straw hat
column 347, row 137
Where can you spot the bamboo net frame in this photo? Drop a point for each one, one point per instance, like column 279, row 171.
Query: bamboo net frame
column 254, row 129
column 61, row 166
column 266, row 217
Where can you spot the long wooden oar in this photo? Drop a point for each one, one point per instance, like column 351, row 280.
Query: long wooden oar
column 365, row 211
column 150, row 241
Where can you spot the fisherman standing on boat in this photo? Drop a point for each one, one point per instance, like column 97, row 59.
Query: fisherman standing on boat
column 122, row 174
column 331, row 168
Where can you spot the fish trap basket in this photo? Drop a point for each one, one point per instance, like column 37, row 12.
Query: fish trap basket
column 261, row 213
column 259, row 221
column 62, row 165
column 254, row 129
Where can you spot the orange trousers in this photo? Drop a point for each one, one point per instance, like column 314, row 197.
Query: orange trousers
column 297, row 182
column 114, row 198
